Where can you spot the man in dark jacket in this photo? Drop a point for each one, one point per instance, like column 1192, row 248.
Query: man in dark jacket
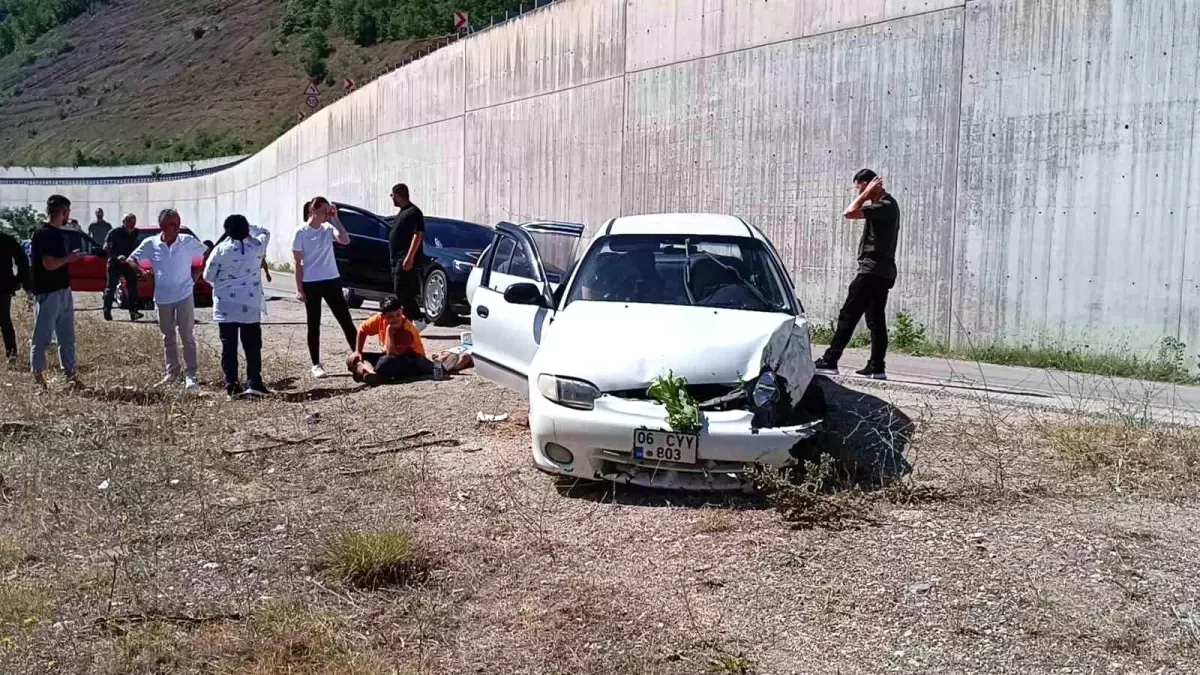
column 406, row 246
column 119, row 245
column 11, row 255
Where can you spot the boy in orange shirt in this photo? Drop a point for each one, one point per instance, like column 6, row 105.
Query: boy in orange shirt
column 403, row 353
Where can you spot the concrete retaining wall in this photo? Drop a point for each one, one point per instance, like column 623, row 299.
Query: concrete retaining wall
column 1042, row 151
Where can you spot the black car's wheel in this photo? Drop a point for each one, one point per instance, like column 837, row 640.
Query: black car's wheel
column 436, row 298
column 353, row 300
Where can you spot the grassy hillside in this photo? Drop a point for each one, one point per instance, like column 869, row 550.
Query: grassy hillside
column 143, row 81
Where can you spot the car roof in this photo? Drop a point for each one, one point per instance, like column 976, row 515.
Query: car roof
column 681, row 223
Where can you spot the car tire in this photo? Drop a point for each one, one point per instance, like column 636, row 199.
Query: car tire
column 353, row 300
column 435, row 298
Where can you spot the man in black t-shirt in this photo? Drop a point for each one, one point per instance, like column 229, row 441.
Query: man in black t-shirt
column 868, row 292
column 53, row 305
column 406, row 246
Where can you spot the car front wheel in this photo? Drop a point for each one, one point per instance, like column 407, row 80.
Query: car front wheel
column 437, row 298
column 353, row 300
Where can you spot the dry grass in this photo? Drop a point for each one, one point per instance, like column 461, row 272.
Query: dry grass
column 1162, row 459
column 1023, row 537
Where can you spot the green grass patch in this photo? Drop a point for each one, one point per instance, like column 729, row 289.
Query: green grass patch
column 372, row 559
column 1170, row 364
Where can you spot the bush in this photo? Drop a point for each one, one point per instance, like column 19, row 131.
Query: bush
column 17, row 221
column 198, row 32
column 908, row 335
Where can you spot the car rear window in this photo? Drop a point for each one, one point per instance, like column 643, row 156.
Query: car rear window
column 457, row 235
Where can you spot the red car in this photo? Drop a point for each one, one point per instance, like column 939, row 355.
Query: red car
column 89, row 274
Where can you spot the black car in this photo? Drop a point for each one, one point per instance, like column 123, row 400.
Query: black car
column 451, row 249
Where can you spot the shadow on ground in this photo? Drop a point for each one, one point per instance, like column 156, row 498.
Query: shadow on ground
column 864, row 434
column 131, row 395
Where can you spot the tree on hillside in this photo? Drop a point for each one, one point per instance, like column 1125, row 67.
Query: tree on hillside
column 23, row 21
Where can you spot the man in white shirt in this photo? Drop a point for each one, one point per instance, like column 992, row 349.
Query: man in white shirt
column 171, row 255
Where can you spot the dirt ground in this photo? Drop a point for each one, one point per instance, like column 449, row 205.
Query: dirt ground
column 144, row 531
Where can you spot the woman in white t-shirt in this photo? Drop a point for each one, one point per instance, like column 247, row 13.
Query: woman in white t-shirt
column 317, row 276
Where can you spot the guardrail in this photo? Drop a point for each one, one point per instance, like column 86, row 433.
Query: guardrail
column 134, row 178
column 437, row 44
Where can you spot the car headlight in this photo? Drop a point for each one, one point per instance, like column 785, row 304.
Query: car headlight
column 463, row 266
column 765, row 390
column 568, row 392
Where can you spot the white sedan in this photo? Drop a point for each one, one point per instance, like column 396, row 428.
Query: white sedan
column 705, row 298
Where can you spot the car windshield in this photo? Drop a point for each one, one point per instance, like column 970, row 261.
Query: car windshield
column 705, row 271
column 462, row 236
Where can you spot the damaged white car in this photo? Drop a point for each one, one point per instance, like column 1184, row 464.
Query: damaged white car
column 653, row 299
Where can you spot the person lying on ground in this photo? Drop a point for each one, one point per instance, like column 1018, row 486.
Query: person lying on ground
column 403, row 354
column 454, row 360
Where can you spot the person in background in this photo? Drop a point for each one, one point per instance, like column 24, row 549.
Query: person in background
column 232, row 268
column 317, row 276
column 53, row 304
column 119, row 244
column 406, row 247
column 403, row 352
column 74, row 225
column 11, row 255
column 868, row 292
column 99, row 230
column 170, row 255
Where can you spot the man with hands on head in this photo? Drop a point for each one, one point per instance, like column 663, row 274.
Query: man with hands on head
column 868, row 293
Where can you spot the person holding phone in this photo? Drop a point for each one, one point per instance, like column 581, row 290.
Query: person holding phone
column 53, row 304
column 317, row 276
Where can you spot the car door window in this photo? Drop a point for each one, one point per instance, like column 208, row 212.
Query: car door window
column 521, row 264
column 501, row 259
column 361, row 225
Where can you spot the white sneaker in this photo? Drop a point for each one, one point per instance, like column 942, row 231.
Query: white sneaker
column 167, row 381
column 318, row 372
column 191, row 383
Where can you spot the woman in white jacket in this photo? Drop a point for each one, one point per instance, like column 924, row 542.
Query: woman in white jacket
column 234, row 268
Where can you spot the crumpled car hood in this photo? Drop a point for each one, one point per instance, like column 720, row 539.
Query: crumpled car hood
column 619, row 346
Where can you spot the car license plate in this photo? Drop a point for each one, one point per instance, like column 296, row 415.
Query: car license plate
column 665, row 446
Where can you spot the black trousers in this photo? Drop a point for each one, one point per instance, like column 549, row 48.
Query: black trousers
column 394, row 368
column 407, row 286
column 329, row 290
column 867, row 296
column 116, row 272
column 6, row 325
column 251, row 337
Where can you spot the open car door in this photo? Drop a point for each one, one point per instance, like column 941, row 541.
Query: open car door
column 89, row 274
column 506, row 332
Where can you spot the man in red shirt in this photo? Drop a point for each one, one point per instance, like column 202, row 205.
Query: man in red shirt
column 403, row 354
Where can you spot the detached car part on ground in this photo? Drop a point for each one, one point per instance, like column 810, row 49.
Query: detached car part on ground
column 699, row 297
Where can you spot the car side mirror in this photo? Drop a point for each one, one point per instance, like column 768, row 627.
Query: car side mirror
column 525, row 294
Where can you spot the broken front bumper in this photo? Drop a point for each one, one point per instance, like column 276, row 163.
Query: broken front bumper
column 601, row 444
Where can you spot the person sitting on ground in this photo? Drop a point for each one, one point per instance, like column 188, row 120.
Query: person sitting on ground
column 403, row 353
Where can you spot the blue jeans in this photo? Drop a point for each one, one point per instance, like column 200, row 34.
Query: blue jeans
column 54, row 313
